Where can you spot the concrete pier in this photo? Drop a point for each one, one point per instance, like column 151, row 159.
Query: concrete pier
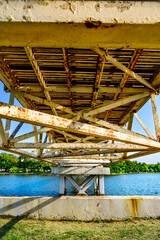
column 95, row 175
column 81, row 208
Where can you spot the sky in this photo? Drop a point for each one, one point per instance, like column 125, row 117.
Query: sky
column 144, row 113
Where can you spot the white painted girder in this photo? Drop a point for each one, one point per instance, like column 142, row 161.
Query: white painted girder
column 42, row 119
column 122, row 147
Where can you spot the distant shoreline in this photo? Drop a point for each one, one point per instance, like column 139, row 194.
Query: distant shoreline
column 49, row 173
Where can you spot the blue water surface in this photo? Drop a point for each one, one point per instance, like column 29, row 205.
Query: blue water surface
column 48, row 185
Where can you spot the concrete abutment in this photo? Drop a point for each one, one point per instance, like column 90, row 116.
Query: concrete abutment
column 81, row 208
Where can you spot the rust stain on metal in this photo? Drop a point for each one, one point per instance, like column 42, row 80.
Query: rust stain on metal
column 134, row 206
column 95, row 89
column 139, row 52
column 66, row 64
column 128, row 110
column 8, row 73
column 92, row 23
column 82, row 70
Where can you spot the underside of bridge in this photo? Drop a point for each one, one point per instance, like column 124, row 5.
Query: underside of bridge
column 81, row 73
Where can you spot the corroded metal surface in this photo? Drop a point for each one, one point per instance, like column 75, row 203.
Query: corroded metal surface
column 47, row 120
column 83, row 69
column 117, row 80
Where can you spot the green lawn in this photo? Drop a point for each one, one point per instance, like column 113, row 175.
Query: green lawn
column 42, row 229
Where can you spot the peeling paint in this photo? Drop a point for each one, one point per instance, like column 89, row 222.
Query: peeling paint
column 121, row 6
column 97, row 7
column 78, row 11
column 92, row 23
column 64, row 6
column 42, row 2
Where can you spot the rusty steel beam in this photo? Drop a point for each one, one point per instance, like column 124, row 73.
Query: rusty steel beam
column 24, row 153
column 124, row 80
column 128, row 111
column 40, row 78
column 129, row 127
column 123, row 68
column 38, row 73
column 114, row 104
column 155, row 81
column 8, row 122
column 85, row 154
column 10, row 81
column 136, row 155
column 13, row 134
column 80, row 162
column 144, row 126
column 111, row 126
column 66, row 64
column 155, row 116
column 48, row 103
column 100, row 67
column 3, row 134
column 88, row 157
column 30, row 134
column 47, row 120
column 125, row 147
column 82, row 89
column 8, row 73
column 156, row 78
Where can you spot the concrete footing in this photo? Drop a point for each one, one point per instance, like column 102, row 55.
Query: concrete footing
column 81, row 208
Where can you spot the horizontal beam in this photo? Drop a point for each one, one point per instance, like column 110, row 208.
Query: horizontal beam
column 115, row 147
column 112, row 126
column 82, row 170
column 82, row 89
column 85, row 154
column 86, row 158
column 75, row 164
column 46, row 120
column 59, row 12
column 88, row 34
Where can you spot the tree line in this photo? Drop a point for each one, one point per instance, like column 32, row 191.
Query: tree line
column 133, row 167
column 15, row 164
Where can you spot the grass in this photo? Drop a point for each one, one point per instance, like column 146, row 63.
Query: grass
column 19, row 229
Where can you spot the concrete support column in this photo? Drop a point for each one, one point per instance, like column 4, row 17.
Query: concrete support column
column 62, row 184
column 101, row 185
column 92, row 176
column 96, row 188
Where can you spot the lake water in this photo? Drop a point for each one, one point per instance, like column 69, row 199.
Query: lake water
column 48, row 185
